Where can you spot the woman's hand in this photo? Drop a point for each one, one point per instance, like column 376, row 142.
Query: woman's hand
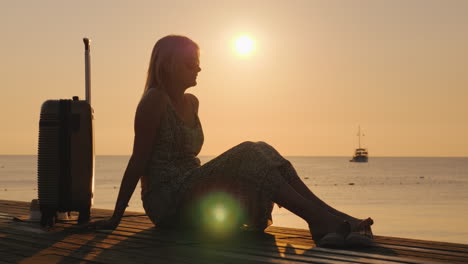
column 107, row 224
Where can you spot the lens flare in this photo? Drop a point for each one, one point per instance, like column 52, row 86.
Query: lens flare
column 221, row 214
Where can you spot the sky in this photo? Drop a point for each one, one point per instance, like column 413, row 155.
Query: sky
column 319, row 69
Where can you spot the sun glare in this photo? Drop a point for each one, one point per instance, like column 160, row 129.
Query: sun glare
column 244, row 45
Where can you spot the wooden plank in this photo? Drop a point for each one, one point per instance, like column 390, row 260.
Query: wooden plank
column 56, row 238
column 403, row 252
column 276, row 245
column 97, row 251
column 137, row 236
column 302, row 257
column 383, row 240
column 131, row 233
column 240, row 256
column 414, row 246
column 95, row 245
column 433, row 252
column 423, row 244
column 234, row 255
column 309, row 243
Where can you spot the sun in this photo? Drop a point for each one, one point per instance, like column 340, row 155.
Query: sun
column 244, row 45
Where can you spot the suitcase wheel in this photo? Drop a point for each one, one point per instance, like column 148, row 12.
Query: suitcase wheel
column 84, row 216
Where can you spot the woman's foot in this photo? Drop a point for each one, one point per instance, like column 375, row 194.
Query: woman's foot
column 361, row 225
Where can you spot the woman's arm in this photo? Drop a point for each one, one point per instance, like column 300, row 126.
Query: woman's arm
column 147, row 122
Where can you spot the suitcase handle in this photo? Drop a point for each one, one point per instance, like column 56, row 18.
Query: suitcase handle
column 86, row 42
column 87, row 70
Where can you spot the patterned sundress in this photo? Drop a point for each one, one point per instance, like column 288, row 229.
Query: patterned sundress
column 174, row 181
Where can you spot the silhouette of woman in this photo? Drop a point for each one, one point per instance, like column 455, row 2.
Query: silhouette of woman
column 168, row 138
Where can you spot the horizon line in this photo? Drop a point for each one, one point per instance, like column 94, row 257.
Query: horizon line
column 296, row 156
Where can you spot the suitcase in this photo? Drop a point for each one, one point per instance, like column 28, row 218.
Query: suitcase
column 66, row 155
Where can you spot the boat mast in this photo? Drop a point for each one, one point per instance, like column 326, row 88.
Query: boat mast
column 359, row 135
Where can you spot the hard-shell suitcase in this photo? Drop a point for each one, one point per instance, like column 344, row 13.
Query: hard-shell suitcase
column 66, row 155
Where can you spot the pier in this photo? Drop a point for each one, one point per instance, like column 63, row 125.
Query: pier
column 136, row 240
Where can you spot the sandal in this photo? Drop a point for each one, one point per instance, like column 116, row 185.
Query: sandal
column 334, row 239
column 361, row 238
column 358, row 240
column 331, row 240
column 364, row 224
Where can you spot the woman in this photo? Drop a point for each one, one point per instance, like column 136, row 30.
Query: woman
column 168, row 137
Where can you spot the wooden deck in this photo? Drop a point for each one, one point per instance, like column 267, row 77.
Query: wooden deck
column 137, row 241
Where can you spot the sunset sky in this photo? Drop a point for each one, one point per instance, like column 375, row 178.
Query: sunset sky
column 318, row 69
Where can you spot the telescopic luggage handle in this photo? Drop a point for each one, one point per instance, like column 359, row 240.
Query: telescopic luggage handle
column 87, row 71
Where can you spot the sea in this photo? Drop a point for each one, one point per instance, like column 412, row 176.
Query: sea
column 411, row 197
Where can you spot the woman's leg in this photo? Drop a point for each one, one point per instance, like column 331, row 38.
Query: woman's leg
column 320, row 220
column 298, row 185
column 287, row 171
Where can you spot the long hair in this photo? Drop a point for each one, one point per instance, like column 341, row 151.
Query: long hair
column 165, row 53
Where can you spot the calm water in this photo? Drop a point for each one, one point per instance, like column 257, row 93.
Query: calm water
column 424, row 198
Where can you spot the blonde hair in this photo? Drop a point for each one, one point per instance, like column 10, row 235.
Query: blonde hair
column 163, row 58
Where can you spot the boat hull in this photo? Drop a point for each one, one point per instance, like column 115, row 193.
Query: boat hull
column 359, row 159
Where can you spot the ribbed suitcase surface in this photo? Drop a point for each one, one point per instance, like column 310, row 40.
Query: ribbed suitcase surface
column 49, row 155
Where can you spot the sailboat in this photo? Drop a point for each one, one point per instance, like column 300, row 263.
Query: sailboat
column 360, row 154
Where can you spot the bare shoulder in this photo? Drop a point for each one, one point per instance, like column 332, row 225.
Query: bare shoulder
column 154, row 101
column 193, row 101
